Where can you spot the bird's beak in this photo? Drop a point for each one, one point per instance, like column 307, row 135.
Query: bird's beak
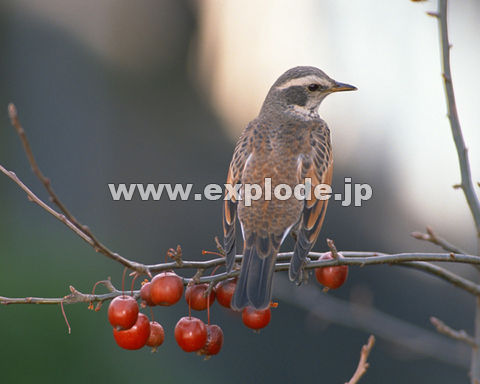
column 338, row 87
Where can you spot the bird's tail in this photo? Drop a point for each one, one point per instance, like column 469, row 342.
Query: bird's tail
column 254, row 286
column 300, row 252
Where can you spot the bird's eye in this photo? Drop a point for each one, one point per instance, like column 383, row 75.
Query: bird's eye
column 313, row 87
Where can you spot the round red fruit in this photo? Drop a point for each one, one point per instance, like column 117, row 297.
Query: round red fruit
column 214, row 341
column 166, row 288
column 224, row 292
column 331, row 277
column 146, row 295
column 196, row 299
column 123, row 312
column 190, row 334
column 157, row 335
column 135, row 337
column 256, row 318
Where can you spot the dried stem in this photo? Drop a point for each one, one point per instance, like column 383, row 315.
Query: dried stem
column 433, row 238
column 460, row 335
column 74, row 297
column 462, row 152
column 363, row 364
column 466, row 178
column 333, row 248
column 66, row 217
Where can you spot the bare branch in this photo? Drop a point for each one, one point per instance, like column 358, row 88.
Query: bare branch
column 67, row 218
column 418, row 341
column 433, row 238
column 462, row 152
column 363, row 364
column 74, row 297
column 12, row 112
column 333, row 248
column 460, row 335
column 464, row 164
column 444, row 274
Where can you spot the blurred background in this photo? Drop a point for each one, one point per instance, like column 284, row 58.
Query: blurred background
column 115, row 91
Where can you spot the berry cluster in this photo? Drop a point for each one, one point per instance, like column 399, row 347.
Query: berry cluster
column 133, row 330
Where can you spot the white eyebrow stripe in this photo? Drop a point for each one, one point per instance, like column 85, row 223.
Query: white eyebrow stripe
column 304, row 81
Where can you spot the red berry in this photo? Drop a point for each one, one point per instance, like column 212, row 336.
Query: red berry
column 157, row 335
column 256, row 318
column 146, row 295
column 214, row 341
column 224, row 291
column 195, row 297
column 166, row 288
column 190, row 334
column 135, row 337
column 331, row 277
column 123, row 312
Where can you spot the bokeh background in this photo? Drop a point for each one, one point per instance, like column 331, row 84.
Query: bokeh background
column 157, row 92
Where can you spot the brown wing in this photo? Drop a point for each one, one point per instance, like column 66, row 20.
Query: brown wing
column 317, row 166
column 242, row 151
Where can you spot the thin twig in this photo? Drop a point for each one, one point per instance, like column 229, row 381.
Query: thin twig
column 417, row 341
column 460, row 335
column 61, row 217
column 82, row 230
column 333, row 248
column 464, row 164
column 462, row 152
column 433, row 238
column 74, row 297
column 12, row 112
column 444, row 274
column 363, row 364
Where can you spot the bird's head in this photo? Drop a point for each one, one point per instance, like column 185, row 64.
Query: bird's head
column 300, row 91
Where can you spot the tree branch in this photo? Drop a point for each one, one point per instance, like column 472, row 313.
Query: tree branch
column 418, row 341
column 67, row 218
column 433, row 238
column 74, row 297
column 460, row 335
column 462, row 152
column 363, row 364
column 464, row 164
column 446, row 275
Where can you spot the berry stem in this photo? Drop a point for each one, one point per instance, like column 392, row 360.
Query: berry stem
column 123, row 280
column 208, row 309
column 189, row 308
column 65, row 317
column 212, row 253
column 133, row 283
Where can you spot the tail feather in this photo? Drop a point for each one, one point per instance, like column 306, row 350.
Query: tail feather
column 254, row 285
column 230, row 251
column 260, row 282
column 240, row 298
column 300, row 252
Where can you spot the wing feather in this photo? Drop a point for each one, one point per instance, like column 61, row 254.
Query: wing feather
column 234, row 177
column 318, row 167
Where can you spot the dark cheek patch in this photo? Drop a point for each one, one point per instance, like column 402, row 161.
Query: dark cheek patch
column 296, row 96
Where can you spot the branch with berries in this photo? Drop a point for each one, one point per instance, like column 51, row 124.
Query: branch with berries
column 167, row 287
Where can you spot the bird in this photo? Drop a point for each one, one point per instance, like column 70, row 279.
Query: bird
column 287, row 143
